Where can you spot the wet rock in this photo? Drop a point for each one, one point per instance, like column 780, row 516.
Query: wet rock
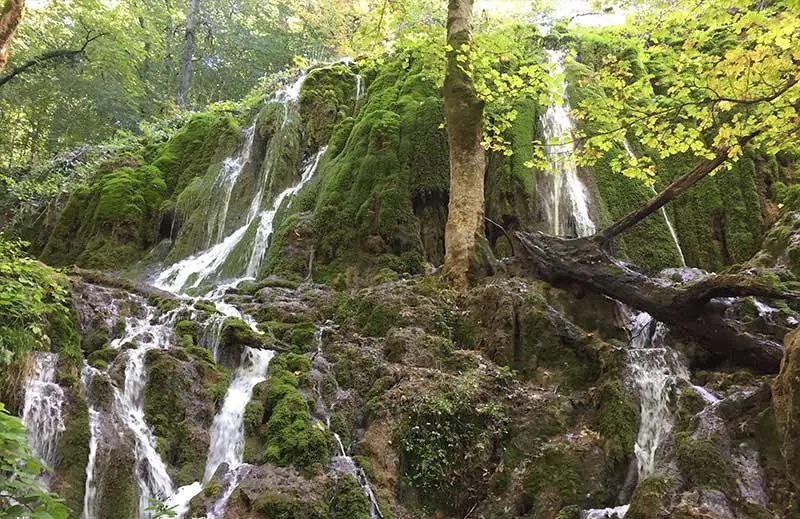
column 786, row 401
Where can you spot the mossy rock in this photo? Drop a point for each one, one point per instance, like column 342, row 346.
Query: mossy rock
column 69, row 478
column 650, row 499
column 704, row 464
column 349, row 501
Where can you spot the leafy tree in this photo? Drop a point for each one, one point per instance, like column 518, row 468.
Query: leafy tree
column 716, row 77
column 21, row 495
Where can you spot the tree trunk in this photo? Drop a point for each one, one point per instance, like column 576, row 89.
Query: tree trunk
column 698, row 173
column 464, row 116
column 696, row 309
column 10, row 17
column 189, row 45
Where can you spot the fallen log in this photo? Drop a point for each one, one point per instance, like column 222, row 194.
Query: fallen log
column 695, row 309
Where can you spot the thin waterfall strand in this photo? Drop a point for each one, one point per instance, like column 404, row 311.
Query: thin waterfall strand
column 42, row 409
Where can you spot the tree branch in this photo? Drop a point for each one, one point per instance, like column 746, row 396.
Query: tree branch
column 672, row 191
column 50, row 57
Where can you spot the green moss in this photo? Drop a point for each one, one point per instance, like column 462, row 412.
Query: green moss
column 302, row 337
column 168, row 398
column 349, row 501
column 289, row 434
column 649, row 499
column 73, row 455
column 555, row 480
column 117, row 490
column 102, row 358
column 704, row 464
column 205, row 139
column 112, row 222
column 278, row 505
column 618, row 421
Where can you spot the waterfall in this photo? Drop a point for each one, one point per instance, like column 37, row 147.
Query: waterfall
column 346, row 465
column 90, row 487
column 656, row 370
column 562, row 194
column 229, row 173
column 208, row 262
column 671, row 228
column 42, row 409
column 146, row 332
column 267, row 218
column 227, row 432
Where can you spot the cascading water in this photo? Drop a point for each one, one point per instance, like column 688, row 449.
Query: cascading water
column 207, row 263
column 344, row 464
column 42, row 409
column 229, row 173
column 227, row 432
column 656, row 370
column 670, row 227
column 341, row 463
column 562, row 194
column 267, row 218
column 144, row 332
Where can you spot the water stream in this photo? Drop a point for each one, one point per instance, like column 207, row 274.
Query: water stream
column 142, row 333
column 671, row 228
column 562, row 194
column 42, row 410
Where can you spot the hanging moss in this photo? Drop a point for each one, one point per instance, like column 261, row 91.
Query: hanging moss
column 279, row 419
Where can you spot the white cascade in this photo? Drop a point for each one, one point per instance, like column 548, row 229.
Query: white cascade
column 146, row 332
column 663, row 211
column 618, row 512
column 562, row 194
column 227, row 432
column 42, row 409
column 267, row 218
column 90, row 487
column 656, row 370
column 208, row 262
column 229, row 173
column 346, row 465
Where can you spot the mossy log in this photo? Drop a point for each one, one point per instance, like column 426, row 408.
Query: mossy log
column 694, row 309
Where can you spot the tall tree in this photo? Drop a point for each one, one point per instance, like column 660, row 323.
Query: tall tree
column 189, row 46
column 9, row 20
column 464, row 117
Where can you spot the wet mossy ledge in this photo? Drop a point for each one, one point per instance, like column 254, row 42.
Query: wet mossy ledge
column 114, row 218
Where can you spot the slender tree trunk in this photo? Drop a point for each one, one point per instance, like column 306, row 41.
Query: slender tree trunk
column 189, row 45
column 10, row 17
column 464, row 116
column 698, row 173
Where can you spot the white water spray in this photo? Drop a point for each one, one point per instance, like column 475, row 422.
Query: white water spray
column 562, row 194
column 42, row 409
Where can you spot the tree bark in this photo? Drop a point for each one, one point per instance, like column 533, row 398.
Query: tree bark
column 189, row 45
column 464, row 117
column 693, row 309
column 10, row 17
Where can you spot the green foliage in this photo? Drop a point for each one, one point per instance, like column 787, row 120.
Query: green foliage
column 349, row 501
column 20, row 494
column 446, row 440
column 34, row 314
